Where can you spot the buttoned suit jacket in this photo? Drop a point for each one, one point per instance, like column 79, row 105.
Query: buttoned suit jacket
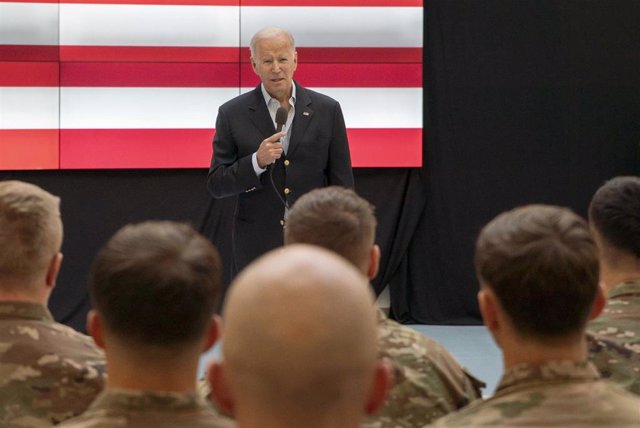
column 317, row 156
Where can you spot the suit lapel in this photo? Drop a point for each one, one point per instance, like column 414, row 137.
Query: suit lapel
column 302, row 118
column 259, row 114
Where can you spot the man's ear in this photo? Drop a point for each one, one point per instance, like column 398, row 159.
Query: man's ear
column 488, row 309
column 380, row 387
column 213, row 333
column 220, row 390
column 94, row 327
column 598, row 303
column 54, row 269
column 374, row 262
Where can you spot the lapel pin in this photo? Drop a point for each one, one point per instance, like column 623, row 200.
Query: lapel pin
column 305, row 113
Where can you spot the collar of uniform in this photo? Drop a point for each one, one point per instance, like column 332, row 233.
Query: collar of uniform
column 381, row 316
column 24, row 311
column 553, row 371
column 148, row 400
column 268, row 98
column 625, row 289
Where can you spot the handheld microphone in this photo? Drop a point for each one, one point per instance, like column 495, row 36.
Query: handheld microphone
column 281, row 118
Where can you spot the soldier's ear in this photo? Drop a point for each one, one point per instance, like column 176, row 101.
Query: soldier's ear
column 220, row 390
column 52, row 272
column 380, row 387
column 213, row 333
column 94, row 327
column 598, row 303
column 374, row 262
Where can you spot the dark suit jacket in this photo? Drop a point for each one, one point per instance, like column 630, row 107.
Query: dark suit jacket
column 318, row 155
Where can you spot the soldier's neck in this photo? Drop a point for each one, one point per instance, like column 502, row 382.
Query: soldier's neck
column 145, row 371
column 612, row 274
column 522, row 350
column 327, row 417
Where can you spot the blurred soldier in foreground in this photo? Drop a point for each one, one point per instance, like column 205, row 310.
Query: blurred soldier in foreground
column 538, row 272
column 300, row 344
column 154, row 287
column 614, row 337
column 48, row 371
column 429, row 382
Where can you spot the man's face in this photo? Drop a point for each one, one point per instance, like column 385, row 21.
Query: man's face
column 275, row 61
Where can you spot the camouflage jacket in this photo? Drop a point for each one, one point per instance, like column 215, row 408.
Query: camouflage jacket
column 127, row 408
column 48, row 371
column 563, row 394
column 614, row 337
column 429, row 382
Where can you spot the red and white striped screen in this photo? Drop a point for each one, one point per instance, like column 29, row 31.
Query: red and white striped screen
column 137, row 83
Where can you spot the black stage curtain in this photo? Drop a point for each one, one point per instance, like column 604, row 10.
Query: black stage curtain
column 529, row 101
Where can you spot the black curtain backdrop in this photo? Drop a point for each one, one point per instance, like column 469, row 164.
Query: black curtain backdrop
column 525, row 102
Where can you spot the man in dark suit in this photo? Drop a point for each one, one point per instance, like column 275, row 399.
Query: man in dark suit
column 267, row 170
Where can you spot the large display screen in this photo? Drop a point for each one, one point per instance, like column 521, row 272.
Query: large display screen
column 137, row 84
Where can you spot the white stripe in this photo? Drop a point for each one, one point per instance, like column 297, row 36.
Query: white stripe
column 154, row 25
column 148, row 25
column 339, row 26
column 128, row 108
column 28, row 24
column 29, row 108
column 377, row 107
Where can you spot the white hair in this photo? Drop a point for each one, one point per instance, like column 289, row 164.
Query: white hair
column 268, row 33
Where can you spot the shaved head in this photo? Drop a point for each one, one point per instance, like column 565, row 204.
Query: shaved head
column 300, row 333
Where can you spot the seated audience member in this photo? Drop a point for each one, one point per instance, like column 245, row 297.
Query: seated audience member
column 154, row 287
column 299, row 344
column 538, row 272
column 429, row 382
column 614, row 337
column 48, row 371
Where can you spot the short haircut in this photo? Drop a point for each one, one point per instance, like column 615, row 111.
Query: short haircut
column 30, row 231
column 615, row 213
column 334, row 218
column 267, row 33
column 541, row 262
column 156, row 284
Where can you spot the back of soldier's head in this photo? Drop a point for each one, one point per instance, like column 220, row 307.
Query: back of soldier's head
column 30, row 232
column 156, row 284
column 300, row 332
column 334, row 218
column 541, row 263
column 614, row 212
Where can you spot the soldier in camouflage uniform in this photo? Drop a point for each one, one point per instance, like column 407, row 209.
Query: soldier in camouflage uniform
column 429, row 382
column 538, row 273
column 154, row 288
column 48, row 371
column 300, row 343
column 614, row 337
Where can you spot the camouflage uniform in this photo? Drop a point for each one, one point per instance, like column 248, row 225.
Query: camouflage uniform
column 429, row 382
column 127, row 408
column 614, row 337
column 48, row 371
column 561, row 394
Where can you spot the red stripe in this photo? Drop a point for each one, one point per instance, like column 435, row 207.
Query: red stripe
column 385, row 147
column 29, row 53
column 29, row 73
column 373, row 55
column 349, row 75
column 149, row 53
column 29, row 149
column 184, row 75
column 191, row 148
column 234, row 54
column 362, row 3
column 135, row 148
column 228, row 75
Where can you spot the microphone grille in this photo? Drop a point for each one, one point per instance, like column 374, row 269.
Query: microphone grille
column 281, row 116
